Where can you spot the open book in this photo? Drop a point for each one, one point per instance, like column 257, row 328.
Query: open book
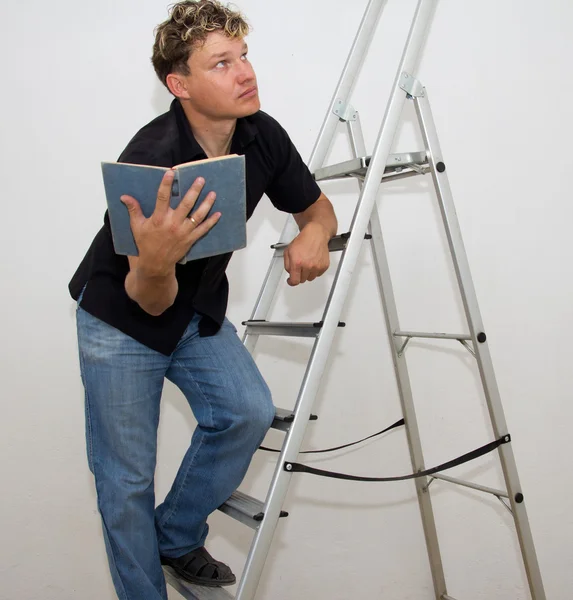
column 225, row 175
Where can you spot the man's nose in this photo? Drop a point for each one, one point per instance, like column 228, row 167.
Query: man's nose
column 245, row 72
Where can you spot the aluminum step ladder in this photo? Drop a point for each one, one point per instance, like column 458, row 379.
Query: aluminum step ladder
column 371, row 171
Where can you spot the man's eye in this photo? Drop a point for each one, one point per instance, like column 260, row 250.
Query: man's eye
column 220, row 63
column 244, row 56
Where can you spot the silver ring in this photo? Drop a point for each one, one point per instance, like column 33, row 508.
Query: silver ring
column 193, row 221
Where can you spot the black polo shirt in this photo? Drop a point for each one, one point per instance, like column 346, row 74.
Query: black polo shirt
column 273, row 167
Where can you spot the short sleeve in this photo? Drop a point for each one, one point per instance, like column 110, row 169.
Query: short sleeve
column 292, row 188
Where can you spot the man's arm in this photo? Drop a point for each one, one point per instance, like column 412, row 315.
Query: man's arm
column 162, row 240
column 154, row 292
column 307, row 256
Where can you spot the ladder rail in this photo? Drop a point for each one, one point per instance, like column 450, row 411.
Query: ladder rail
column 480, row 345
column 385, row 288
column 323, row 142
column 339, row 290
column 381, row 152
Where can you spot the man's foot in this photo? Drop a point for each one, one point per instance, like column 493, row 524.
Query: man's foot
column 199, row 567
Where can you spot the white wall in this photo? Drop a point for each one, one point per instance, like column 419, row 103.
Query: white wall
column 77, row 83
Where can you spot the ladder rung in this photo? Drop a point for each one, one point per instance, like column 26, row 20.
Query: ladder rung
column 357, row 167
column 336, row 244
column 439, row 336
column 288, row 329
column 194, row 592
column 469, row 484
column 245, row 509
column 283, row 419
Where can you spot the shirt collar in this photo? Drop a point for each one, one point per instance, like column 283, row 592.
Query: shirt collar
column 245, row 133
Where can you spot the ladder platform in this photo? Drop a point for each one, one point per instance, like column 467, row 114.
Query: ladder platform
column 190, row 591
column 245, row 509
column 284, row 418
column 286, row 329
column 336, row 244
column 413, row 162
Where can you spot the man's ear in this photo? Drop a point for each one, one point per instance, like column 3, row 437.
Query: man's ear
column 177, row 86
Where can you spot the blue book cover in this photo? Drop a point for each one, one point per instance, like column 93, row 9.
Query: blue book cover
column 225, row 175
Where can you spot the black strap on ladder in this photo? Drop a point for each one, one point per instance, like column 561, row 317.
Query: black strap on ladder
column 298, row 468
column 397, row 424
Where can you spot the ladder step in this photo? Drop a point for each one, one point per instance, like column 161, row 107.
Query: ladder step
column 245, row 509
column 336, row 244
column 437, row 336
column 357, row 167
column 283, row 419
column 287, row 329
column 194, row 592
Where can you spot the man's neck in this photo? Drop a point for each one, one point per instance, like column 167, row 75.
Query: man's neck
column 213, row 136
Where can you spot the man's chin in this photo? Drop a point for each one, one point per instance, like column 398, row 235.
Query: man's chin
column 249, row 109
column 237, row 111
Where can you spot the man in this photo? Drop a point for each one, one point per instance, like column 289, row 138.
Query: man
column 146, row 318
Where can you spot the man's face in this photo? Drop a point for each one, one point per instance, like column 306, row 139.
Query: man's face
column 222, row 83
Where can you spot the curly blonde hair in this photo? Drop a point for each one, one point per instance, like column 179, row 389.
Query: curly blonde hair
column 187, row 27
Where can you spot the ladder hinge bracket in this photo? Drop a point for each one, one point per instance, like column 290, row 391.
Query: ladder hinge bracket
column 412, row 86
column 345, row 111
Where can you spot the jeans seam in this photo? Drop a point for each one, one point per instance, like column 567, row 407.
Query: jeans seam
column 89, row 428
column 113, row 551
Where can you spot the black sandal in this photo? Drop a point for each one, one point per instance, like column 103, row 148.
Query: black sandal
column 199, row 567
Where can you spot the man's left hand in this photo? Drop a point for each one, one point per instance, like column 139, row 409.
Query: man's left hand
column 307, row 256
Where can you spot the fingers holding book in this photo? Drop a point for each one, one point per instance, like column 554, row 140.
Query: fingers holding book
column 198, row 222
column 188, row 202
column 168, row 234
column 163, row 202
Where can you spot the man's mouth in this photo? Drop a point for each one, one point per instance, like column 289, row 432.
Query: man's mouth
column 250, row 92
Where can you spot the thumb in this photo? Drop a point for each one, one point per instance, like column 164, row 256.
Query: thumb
column 286, row 258
column 133, row 208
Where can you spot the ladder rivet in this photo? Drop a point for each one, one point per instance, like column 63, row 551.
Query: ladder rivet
column 289, row 467
column 481, row 338
column 440, row 167
column 519, row 498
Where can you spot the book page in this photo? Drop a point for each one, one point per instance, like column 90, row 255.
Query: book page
column 205, row 160
column 136, row 165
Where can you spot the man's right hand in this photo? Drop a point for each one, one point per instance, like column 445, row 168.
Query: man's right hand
column 162, row 240
column 166, row 236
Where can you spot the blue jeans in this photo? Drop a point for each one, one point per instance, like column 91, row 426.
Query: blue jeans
column 123, row 380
